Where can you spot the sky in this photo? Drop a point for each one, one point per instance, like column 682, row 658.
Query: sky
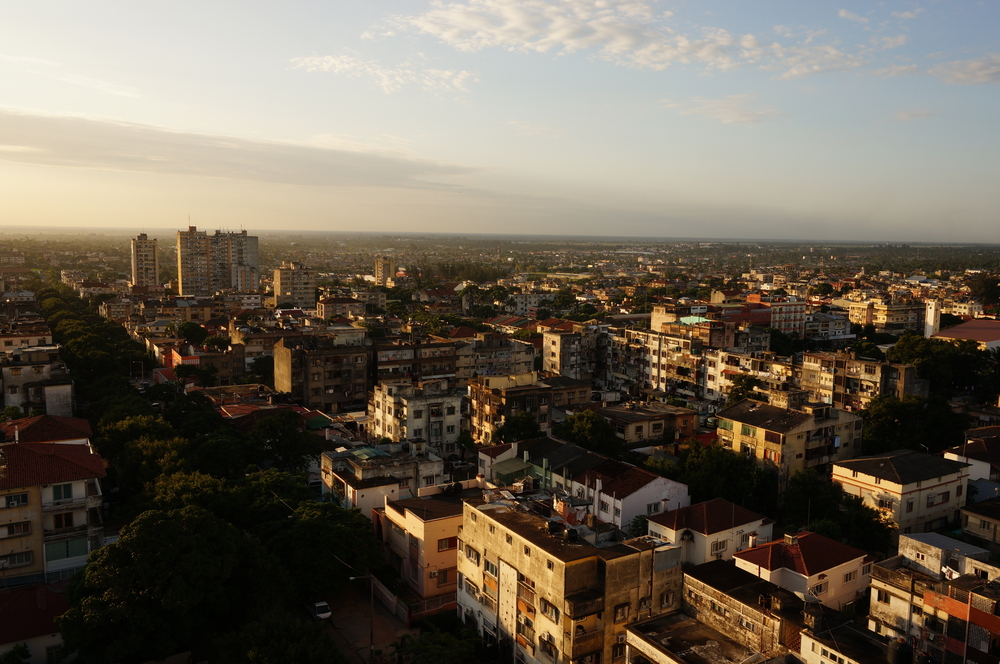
column 771, row 120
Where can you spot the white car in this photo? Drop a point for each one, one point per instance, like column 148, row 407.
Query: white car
column 321, row 611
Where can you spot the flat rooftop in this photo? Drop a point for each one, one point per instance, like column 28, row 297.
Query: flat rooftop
column 686, row 640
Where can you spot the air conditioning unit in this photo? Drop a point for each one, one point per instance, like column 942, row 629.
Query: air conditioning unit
column 621, row 638
column 433, row 575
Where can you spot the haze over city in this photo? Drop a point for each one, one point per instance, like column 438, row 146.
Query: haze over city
column 669, row 119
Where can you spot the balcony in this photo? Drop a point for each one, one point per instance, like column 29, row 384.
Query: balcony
column 582, row 604
column 53, row 535
column 586, row 641
column 69, row 504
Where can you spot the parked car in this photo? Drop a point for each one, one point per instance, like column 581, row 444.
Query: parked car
column 321, row 611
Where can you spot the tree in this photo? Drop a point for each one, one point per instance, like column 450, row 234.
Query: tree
column 192, row 332
column 808, row 498
column 913, row 423
column 262, row 368
column 435, row 646
column 521, row 426
column 590, row 430
column 639, row 526
column 170, row 581
column 11, row 413
column 19, row 654
column 279, row 637
column 218, row 343
column 742, row 388
column 280, row 438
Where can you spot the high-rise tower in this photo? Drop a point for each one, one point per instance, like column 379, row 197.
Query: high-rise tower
column 385, row 270
column 145, row 263
column 223, row 261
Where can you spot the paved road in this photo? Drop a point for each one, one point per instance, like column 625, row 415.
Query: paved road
column 351, row 620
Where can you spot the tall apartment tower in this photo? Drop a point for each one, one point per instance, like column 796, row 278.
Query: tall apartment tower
column 385, row 269
column 223, row 261
column 294, row 284
column 145, row 264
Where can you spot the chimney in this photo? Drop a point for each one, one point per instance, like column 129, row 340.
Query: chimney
column 791, row 539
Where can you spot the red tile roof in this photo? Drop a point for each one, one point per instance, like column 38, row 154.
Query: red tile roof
column 494, row 450
column 46, row 429
column 28, row 612
column 32, row 464
column 810, row 555
column 618, row 479
column 979, row 329
column 709, row 517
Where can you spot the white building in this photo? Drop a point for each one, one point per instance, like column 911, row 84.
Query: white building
column 710, row 530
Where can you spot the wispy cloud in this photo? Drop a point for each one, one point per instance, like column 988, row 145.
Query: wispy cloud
column 970, row 72
column 734, row 109
column 634, row 34
column 78, row 142
column 897, row 70
column 893, row 42
column 843, row 13
column 54, row 70
column 910, row 116
column 390, row 79
column 908, row 15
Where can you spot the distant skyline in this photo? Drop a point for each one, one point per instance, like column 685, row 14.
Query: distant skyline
column 785, row 120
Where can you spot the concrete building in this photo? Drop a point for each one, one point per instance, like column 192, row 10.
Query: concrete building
column 589, row 487
column 363, row 478
column 811, row 435
column 811, row 564
column 579, row 354
column 547, row 591
column 340, row 307
column 918, row 492
column 385, row 271
column 711, row 530
column 643, row 425
column 490, row 354
column 294, row 284
column 893, row 317
column 981, row 451
column 145, row 262
column 223, row 261
column 850, row 382
column 495, row 398
column 939, row 594
column 420, row 359
column 50, row 502
column 35, row 377
column 420, row 412
column 327, row 373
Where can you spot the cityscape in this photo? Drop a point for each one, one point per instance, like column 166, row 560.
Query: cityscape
column 499, row 332
column 356, row 447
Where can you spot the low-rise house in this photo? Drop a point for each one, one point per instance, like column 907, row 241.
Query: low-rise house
column 710, row 530
column 918, row 492
column 981, row 450
column 28, row 615
column 811, row 564
column 653, row 423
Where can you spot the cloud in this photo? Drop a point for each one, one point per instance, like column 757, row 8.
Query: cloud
column 910, row 116
column 908, row 15
column 897, row 70
column 970, row 72
column 53, row 70
column 734, row 109
column 843, row 13
column 88, row 143
column 893, row 42
column 390, row 79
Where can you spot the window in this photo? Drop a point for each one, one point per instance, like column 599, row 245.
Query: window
column 866, row 569
column 909, row 506
column 17, row 529
column 958, row 491
column 818, row 589
column 719, row 546
column 850, row 576
column 747, row 625
column 450, row 428
column 473, row 516
column 550, row 565
column 985, row 525
column 621, row 612
column 472, row 555
column 66, row 549
column 490, row 568
column 618, row 512
column 54, row 654
column 19, row 559
column 509, row 539
column 645, row 603
column 604, row 506
column 16, row 499
column 450, row 410
column 885, row 503
column 13, row 389
column 418, row 414
column 64, row 520
column 618, row 650
column 653, row 508
column 550, row 611
column 666, row 599
column 447, row 544
column 882, row 596
column 417, row 433
column 446, row 577
column 429, row 480
column 718, row 608
column 62, row 492
column 527, row 551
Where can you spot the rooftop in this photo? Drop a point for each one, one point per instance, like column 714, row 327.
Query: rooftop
column 805, row 553
column 903, row 466
column 758, row 414
column 708, row 517
column 32, row 464
column 689, row 641
column 983, row 330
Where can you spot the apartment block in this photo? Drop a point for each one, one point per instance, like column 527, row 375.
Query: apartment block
column 145, row 262
column 34, row 377
column 400, row 360
column 547, row 591
column 711, row 530
column 222, row 261
column 385, row 271
column 850, row 382
column 810, row 435
column 323, row 372
column 490, row 354
column 363, row 478
column 579, row 354
column 294, row 284
column 915, row 491
column 421, row 412
column 495, row 398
